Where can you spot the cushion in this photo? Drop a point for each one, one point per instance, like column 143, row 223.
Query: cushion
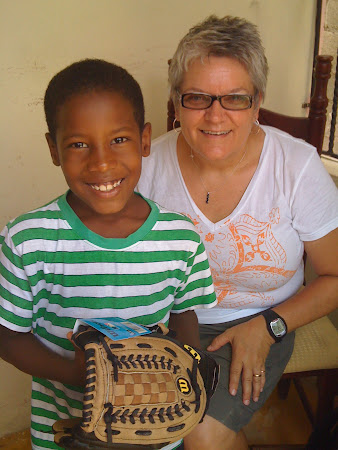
column 315, row 347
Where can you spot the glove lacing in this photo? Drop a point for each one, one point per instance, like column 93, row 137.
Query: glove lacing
column 112, row 417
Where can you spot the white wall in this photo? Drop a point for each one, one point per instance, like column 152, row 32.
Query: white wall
column 40, row 37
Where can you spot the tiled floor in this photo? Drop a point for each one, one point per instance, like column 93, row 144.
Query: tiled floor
column 278, row 422
column 17, row 441
column 281, row 421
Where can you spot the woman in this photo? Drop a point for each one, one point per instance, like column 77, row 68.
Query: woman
column 251, row 193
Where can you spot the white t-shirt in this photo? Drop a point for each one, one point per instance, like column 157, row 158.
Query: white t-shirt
column 255, row 253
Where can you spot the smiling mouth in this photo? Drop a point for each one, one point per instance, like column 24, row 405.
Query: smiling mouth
column 106, row 187
column 216, row 133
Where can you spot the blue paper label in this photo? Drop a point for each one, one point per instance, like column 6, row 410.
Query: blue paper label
column 114, row 327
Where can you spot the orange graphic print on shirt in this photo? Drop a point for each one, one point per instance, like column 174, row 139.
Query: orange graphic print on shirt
column 246, row 261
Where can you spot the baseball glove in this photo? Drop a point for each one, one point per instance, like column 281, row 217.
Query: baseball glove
column 141, row 393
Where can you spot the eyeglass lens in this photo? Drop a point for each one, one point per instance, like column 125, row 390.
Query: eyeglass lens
column 204, row 101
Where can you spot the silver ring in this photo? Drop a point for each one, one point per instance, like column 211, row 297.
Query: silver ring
column 262, row 371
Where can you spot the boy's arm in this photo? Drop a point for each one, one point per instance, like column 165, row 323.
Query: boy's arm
column 186, row 327
column 28, row 354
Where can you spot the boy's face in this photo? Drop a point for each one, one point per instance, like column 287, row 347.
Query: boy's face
column 99, row 148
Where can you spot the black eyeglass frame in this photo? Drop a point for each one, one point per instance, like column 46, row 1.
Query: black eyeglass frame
column 216, row 97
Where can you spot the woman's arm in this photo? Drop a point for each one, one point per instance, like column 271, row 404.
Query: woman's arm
column 29, row 355
column 251, row 341
column 321, row 296
column 186, row 327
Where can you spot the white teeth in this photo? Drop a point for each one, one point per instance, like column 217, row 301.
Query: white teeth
column 215, row 133
column 117, row 183
column 106, row 187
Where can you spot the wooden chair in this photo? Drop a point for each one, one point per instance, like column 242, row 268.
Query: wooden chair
column 315, row 352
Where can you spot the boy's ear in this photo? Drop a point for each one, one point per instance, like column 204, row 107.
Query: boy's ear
column 53, row 149
column 146, row 139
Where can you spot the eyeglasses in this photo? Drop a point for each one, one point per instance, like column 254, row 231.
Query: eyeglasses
column 232, row 102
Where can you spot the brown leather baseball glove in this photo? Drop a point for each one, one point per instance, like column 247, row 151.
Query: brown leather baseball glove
column 141, row 393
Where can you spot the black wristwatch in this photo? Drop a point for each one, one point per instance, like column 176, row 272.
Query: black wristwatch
column 275, row 324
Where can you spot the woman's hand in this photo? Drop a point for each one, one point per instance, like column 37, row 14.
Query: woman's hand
column 250, row 342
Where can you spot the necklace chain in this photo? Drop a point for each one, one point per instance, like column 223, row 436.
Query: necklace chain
column 229, row 175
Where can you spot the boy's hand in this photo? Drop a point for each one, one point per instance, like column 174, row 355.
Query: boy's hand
column 186, row 326
column 79, row 363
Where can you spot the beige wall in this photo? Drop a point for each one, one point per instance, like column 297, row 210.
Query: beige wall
column 14, row 399
column 40, row 37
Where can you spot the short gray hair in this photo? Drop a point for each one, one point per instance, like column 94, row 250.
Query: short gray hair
column 229, row 36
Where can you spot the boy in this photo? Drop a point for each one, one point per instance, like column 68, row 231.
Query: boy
column 99, row 250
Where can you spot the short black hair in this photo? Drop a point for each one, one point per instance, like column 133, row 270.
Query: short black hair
column 91, row 75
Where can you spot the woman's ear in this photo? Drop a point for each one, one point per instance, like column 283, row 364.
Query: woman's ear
column 177, row 112
column 257, row 104
column 53, row 149
column 146, row 139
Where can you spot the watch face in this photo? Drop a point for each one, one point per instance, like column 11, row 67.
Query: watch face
column 278, row 327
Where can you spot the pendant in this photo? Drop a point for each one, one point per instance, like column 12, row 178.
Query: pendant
column 207, row 199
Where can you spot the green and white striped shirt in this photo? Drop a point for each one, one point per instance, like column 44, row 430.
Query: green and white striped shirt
column 54, row 270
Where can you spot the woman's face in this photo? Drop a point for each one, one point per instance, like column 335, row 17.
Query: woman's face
column 216, row 133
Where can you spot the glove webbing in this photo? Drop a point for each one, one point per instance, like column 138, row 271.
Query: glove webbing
column 110, row 417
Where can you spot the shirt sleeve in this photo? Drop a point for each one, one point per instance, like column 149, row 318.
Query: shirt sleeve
column 314, row 203
column 197, row 289
column 16, row 299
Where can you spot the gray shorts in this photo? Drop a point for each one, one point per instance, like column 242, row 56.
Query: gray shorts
column 228, row 409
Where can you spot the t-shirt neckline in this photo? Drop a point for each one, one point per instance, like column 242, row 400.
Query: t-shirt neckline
column 109, row 243
column 242, row 201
